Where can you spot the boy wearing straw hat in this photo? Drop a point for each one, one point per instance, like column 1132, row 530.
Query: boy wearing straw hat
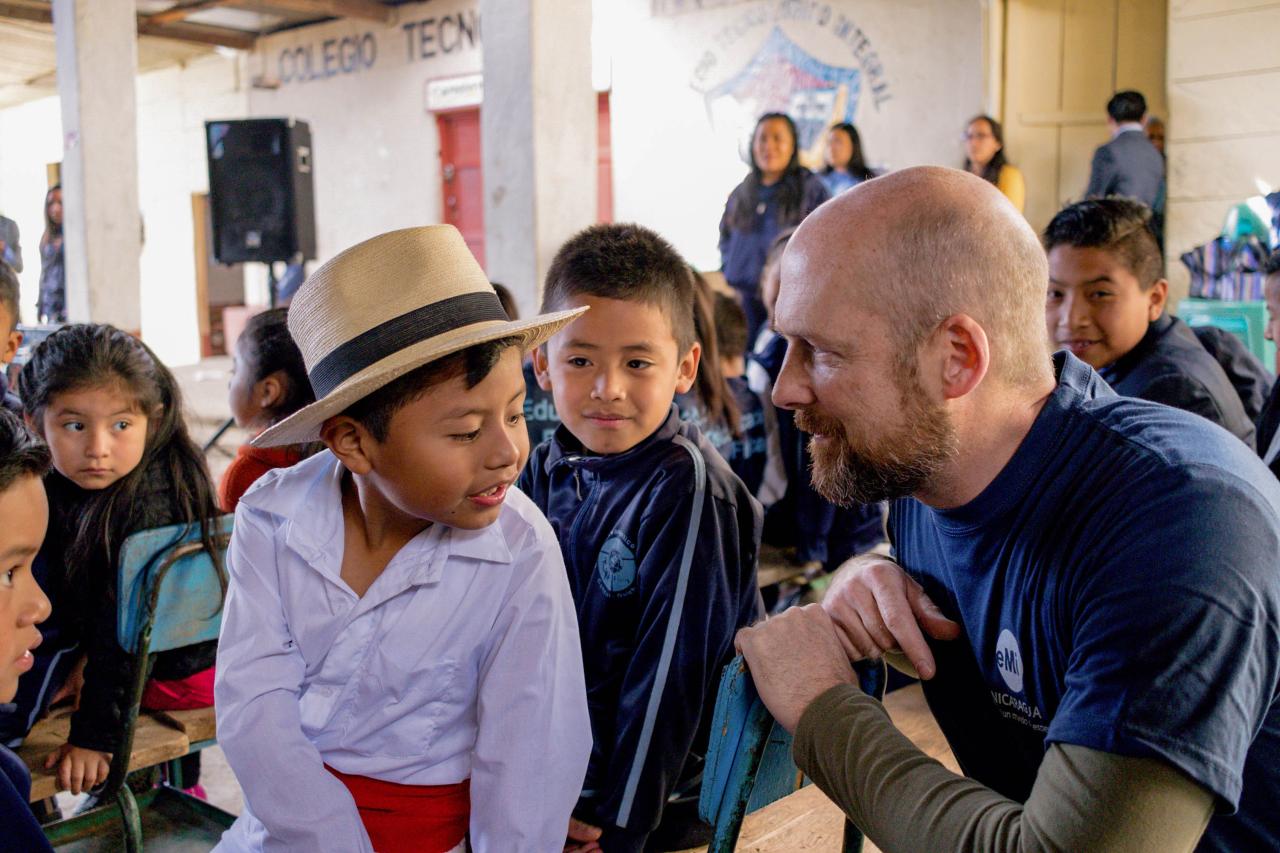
column 658, row 533
column 399, row 660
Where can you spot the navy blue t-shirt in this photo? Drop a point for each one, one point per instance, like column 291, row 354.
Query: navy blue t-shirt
column 1119, row 587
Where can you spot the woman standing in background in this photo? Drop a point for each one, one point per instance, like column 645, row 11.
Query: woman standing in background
column 777, row 194
column 52, row 307
column 984, row 147
column 845, row 165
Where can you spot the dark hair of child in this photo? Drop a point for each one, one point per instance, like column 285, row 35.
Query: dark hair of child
column 625, row 262
column 22, row 453
column 1116, row 225
column 1127, row 106
column 268, row 349
column 473, row 364
column 9, row 290
column 507, row 299
column 1272, row 266
column 90, row 355
column 52, row 230
column 709, row 386
column 857, row 165
column 731, row 326
column 790, row 187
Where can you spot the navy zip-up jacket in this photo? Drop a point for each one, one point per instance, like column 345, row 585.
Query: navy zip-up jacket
column 660, row 543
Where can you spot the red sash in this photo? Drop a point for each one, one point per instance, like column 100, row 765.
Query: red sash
column 405, row 818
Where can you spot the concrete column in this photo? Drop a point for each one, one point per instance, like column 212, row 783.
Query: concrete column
column 538, row 135
column 97, row 51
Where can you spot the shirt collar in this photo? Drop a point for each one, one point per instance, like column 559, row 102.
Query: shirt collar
column 565, row 446
column 1127, row 126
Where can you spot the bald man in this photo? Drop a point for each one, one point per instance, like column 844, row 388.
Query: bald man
column 1088, row 584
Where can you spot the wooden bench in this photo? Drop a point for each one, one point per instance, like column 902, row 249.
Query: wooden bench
column 807, row 820
column 159, row 738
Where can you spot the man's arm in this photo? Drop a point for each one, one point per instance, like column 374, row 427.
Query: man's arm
column 1083, row 799
column 534, row 732
column 257, row 690
column 1101, row 173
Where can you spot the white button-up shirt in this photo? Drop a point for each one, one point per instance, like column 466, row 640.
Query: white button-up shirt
column 462, row 660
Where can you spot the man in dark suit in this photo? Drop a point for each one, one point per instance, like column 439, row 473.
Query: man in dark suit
column 1129, row 165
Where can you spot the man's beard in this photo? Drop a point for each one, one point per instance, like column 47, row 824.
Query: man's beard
column 851, row 467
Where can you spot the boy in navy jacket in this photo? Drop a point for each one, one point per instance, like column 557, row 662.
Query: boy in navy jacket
column 24, row 514
column 1106, row 305
column 659, row 536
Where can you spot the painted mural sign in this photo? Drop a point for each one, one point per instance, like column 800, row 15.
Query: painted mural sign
column 782, row 76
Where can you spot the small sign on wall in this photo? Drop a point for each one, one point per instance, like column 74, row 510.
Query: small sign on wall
column 453, row 93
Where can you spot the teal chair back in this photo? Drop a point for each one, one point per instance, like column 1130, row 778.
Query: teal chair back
column 749, row 761
column 1245, row 320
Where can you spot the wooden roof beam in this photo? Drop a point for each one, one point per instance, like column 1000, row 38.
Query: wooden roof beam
column 182, row 10
column 365, row 10
column 199, row 34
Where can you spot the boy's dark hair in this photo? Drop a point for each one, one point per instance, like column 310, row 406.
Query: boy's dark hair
column 1120, row 226
column 22, row 453
column 1127, row 106
column 269, row 348
column 507, row 299
column 474, row 364
column 9, row 290
column 1272, row 266
column 628, row 262
column 731, row 326
column 709, row 386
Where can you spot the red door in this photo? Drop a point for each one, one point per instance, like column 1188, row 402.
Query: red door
column 460, row 176
column 462, row 184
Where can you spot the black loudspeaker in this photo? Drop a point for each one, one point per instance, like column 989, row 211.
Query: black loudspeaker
column 260, row 191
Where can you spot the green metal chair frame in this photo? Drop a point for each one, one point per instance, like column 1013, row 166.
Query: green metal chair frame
column 166, row 578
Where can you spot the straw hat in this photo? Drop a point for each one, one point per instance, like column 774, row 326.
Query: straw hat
column 385, row 307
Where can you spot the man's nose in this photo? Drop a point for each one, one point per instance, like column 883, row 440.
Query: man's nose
column 792, row 390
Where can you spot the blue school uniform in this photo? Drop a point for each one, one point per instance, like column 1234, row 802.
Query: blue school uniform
column 1119, row 587
column 1169, row 365
column 19, row 830
column 660, row 543
column 8, row 399
column 745, row 452
column 540, row 417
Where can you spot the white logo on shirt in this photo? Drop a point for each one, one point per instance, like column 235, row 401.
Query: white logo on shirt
column 1009, row 660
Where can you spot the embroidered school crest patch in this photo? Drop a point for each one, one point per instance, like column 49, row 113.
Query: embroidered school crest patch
column 616, row 565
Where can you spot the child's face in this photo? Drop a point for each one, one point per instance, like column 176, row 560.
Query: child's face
column 451, row 455
column 1095, row 307
column 10, row 337
column 25, row 511
column 614, row 372
column 96, row 435
column 1272, row 295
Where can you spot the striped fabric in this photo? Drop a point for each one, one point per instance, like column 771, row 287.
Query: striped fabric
column 1227, row 269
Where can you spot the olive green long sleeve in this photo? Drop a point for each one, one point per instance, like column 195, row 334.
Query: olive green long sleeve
column 903, row 800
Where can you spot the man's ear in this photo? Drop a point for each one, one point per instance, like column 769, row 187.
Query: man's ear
column 542, row 367
column 687, row 370
column 1157, row 298
column 958, row 354
column 350, row 441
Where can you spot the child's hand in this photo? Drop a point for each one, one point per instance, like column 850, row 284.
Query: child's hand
column 583, row 837
column 70, row 689
column 79, row 769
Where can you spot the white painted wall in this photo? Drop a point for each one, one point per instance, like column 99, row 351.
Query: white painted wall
column 172, row 106
column 375, row 146
column 676, row 157
column 1224, row 130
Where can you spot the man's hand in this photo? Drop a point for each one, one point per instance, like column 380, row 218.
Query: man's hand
column 79, row 769
column 794, row 658
column 878, row 608
column 583, row 837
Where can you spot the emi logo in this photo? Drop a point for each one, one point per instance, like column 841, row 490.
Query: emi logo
column 1009, row 660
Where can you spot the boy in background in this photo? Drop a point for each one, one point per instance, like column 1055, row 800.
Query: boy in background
column 1106, row 305
column 750, row 449
column 659, row 536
